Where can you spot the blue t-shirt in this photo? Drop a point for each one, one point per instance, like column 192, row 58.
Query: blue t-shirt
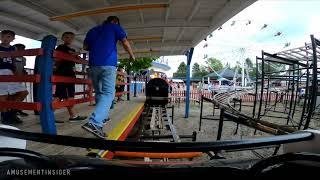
column 102, row 41
column 7, row 62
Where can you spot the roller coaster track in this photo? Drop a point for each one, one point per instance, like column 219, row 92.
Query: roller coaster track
column 224, row 101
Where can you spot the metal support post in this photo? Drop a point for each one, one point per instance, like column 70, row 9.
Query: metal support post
column 45, row 65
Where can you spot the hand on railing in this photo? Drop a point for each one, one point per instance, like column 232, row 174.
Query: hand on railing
column 74, row 53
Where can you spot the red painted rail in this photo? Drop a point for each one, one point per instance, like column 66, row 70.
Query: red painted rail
column 61, row 56
column 63, row 79
column 70, row 102
column 20, row 78
column 21, row 105
column 27, row 52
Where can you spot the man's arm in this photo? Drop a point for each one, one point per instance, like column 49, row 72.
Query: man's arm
column 89, row 37
column 127, row 47
column 85, row 46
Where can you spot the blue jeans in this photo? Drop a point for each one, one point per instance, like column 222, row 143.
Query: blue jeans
column 103, row 79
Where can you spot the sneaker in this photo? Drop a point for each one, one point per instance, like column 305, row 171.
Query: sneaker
column 16, row 120
column 7, row 122
column 58, row 121
column 95, row 130
column 5, row 118
column 10, row 118
column 106, row 120
column 78, row 119
column 21, row 113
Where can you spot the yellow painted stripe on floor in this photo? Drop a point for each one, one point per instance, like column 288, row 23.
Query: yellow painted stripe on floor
column 124, row 123
column 116, row 132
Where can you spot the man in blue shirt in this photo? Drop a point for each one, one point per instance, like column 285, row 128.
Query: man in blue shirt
column 101, row 42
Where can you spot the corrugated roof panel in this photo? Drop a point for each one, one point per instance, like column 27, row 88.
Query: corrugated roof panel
column 188, row 21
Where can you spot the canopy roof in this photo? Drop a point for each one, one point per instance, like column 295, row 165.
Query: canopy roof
column 155, row 27
column 161, row 66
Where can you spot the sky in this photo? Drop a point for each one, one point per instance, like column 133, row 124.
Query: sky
column 295, row 19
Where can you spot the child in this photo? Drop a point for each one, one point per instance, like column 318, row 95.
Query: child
column 19, row 63
column 9, row 91
column 120, row 88
column 65, row 91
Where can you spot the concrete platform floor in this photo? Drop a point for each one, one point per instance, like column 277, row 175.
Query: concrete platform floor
column 32, row 124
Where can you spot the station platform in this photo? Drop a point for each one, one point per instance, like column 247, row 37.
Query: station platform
column 121, row 116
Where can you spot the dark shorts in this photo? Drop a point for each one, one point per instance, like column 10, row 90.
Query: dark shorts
column 65, row 90
column 120, row 88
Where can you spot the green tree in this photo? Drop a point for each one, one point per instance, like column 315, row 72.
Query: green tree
column 249, row 63
column 199, row 71
column 195, row 70
column 181, row 72
column 214, row 64
column 250, row 67
column 203, row 71
column 137, row 65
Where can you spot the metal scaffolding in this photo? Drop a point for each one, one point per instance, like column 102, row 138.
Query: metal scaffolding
column 300, row 77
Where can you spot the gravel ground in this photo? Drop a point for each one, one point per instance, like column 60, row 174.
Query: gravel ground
column 210, row 128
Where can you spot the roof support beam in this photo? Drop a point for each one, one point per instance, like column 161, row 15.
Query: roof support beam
column 167, row 26
column 24, row 20
column 163, row 35
column 139, row 52
column 276, row 58
column 141, row 13
column 305, row 56
column 159, row 44
column 107, row 10
column 149, row 38
column 36, row 7
column 73, row 8
column 178, row 23
column 166, row 17
column 151, row 54
column 172, row 50
column 166, row 20
column 196, row 6
column 141, row 17
column 291, row 56
column 180, row 34
column 20, row 31
column 183, row 51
